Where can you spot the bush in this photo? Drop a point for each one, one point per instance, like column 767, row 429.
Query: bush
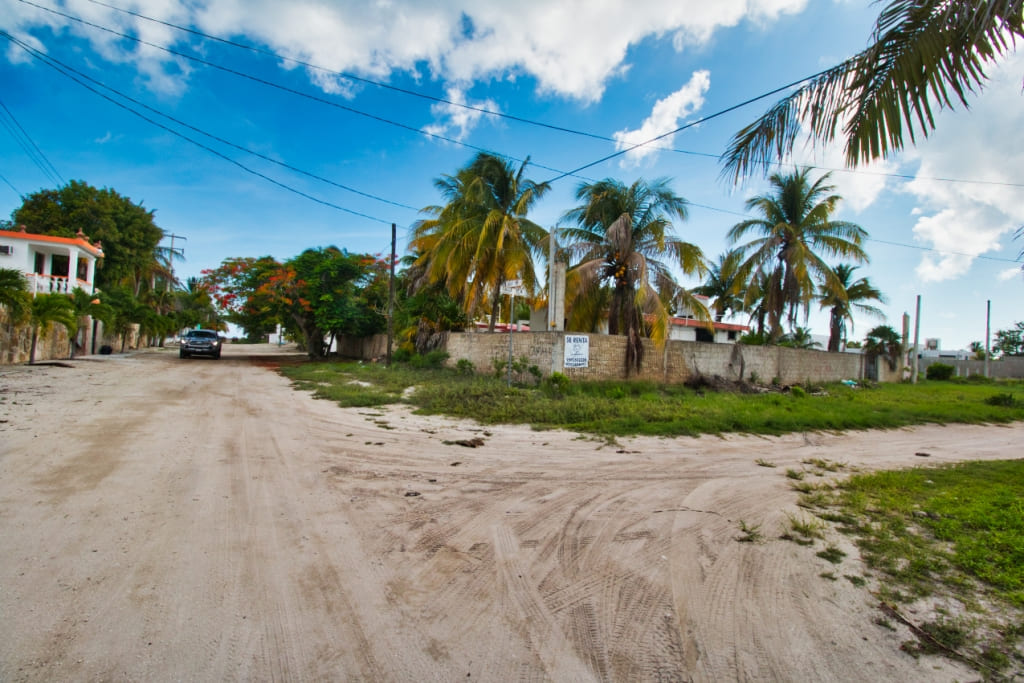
column 797, row 392
column 431, row 359
column 939, row 371
column 465, row 367
column 1003, row 400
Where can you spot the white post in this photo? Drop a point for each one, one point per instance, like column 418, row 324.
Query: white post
column 988, row 333
column 917, row 333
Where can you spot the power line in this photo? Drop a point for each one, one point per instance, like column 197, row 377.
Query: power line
column 57, row 66
column 880, row 241
column 8, row 182
column 29, row 146
column 488, row 112
column 228, row 142
column 284, row 88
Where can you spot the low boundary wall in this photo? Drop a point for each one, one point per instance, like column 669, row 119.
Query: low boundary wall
column 676, row 362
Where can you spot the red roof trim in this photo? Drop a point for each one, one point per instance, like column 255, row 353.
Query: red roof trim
column 725, row 327
column 18, row 235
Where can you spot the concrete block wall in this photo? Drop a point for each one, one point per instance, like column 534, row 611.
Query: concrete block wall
column 676, row 362
column 1007, row 367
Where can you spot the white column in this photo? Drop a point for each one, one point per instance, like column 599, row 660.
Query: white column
column 72, row 270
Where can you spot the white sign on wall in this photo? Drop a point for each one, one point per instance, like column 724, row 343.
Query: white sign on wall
column 577, row 351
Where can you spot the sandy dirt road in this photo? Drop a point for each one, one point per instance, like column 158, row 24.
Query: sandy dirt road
column 199, row 520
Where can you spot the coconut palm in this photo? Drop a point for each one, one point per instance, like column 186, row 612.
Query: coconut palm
column 482, row 237
column 723, row 284
column 923, row 55
column 14, row 295
column 844, row 296
column 799, row 338
column 885, row 342
column 88, row 305
column 796, row 231
column 47, row 309
column 625, row 254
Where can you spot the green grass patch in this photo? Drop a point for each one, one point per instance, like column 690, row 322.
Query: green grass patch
column 946, row 533
column 647, row 408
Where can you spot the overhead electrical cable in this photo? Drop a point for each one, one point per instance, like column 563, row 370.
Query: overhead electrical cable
column 55, row 65
column 481, row 110
column 228, row 143
column 284, row 88
column 29, row 146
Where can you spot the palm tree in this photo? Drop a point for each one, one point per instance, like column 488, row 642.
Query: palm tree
column 482, row 237
column 799, row 338
column 844, row 296
column 883, row 341
column 723, row 284
column 796, row 231
column 88, row 305
column 47, row 309
column 622, row 236
column 924, row 54
column 14, row 295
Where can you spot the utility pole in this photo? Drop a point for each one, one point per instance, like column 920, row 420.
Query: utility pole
column 988, row 333
column 173, row 251
column 391, row 298
column 917, row 333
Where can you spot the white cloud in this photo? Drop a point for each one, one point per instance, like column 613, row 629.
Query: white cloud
column 664, row 118
column 458, row 121
column 1009, row 274
column 571, row 47
column 983, row 143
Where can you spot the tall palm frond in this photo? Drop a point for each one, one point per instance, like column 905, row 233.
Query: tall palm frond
column 844, row 296
column 924, row 55
column 625, row 255
column 14, row 294
column 796, row 230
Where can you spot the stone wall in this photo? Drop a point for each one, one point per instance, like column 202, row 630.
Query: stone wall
column 676, row 362
column 16, row 342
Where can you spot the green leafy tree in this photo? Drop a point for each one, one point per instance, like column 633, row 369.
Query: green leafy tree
column 47, row 309
column 237, row 288
column 923, row 55
column 1010, row 342
column 482, row 237
column 127, row 231
column 978, row 349
column 14, row 294
column 796, row 230
column 626, row 255
column 843, row 296
column 883, row 341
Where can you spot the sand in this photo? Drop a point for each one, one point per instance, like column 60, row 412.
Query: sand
column 166, row 519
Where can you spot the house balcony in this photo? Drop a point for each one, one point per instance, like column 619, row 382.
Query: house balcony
column 54, row 284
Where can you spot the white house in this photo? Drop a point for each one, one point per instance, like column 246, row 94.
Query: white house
column 51, row 263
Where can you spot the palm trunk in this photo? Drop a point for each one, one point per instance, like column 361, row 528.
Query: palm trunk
column 835, row 332
column 32, row 349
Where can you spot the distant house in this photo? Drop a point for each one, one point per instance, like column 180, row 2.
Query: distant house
column 691, row 329
column 685, row 327
column 51, row 264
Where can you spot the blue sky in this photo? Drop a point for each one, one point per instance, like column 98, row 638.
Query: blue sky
column 621, row 71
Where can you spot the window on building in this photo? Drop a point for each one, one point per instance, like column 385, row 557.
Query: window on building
column 59, row 265
column 83, row 271
column 40, row 263
column 704, row 336
column 732, row 335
